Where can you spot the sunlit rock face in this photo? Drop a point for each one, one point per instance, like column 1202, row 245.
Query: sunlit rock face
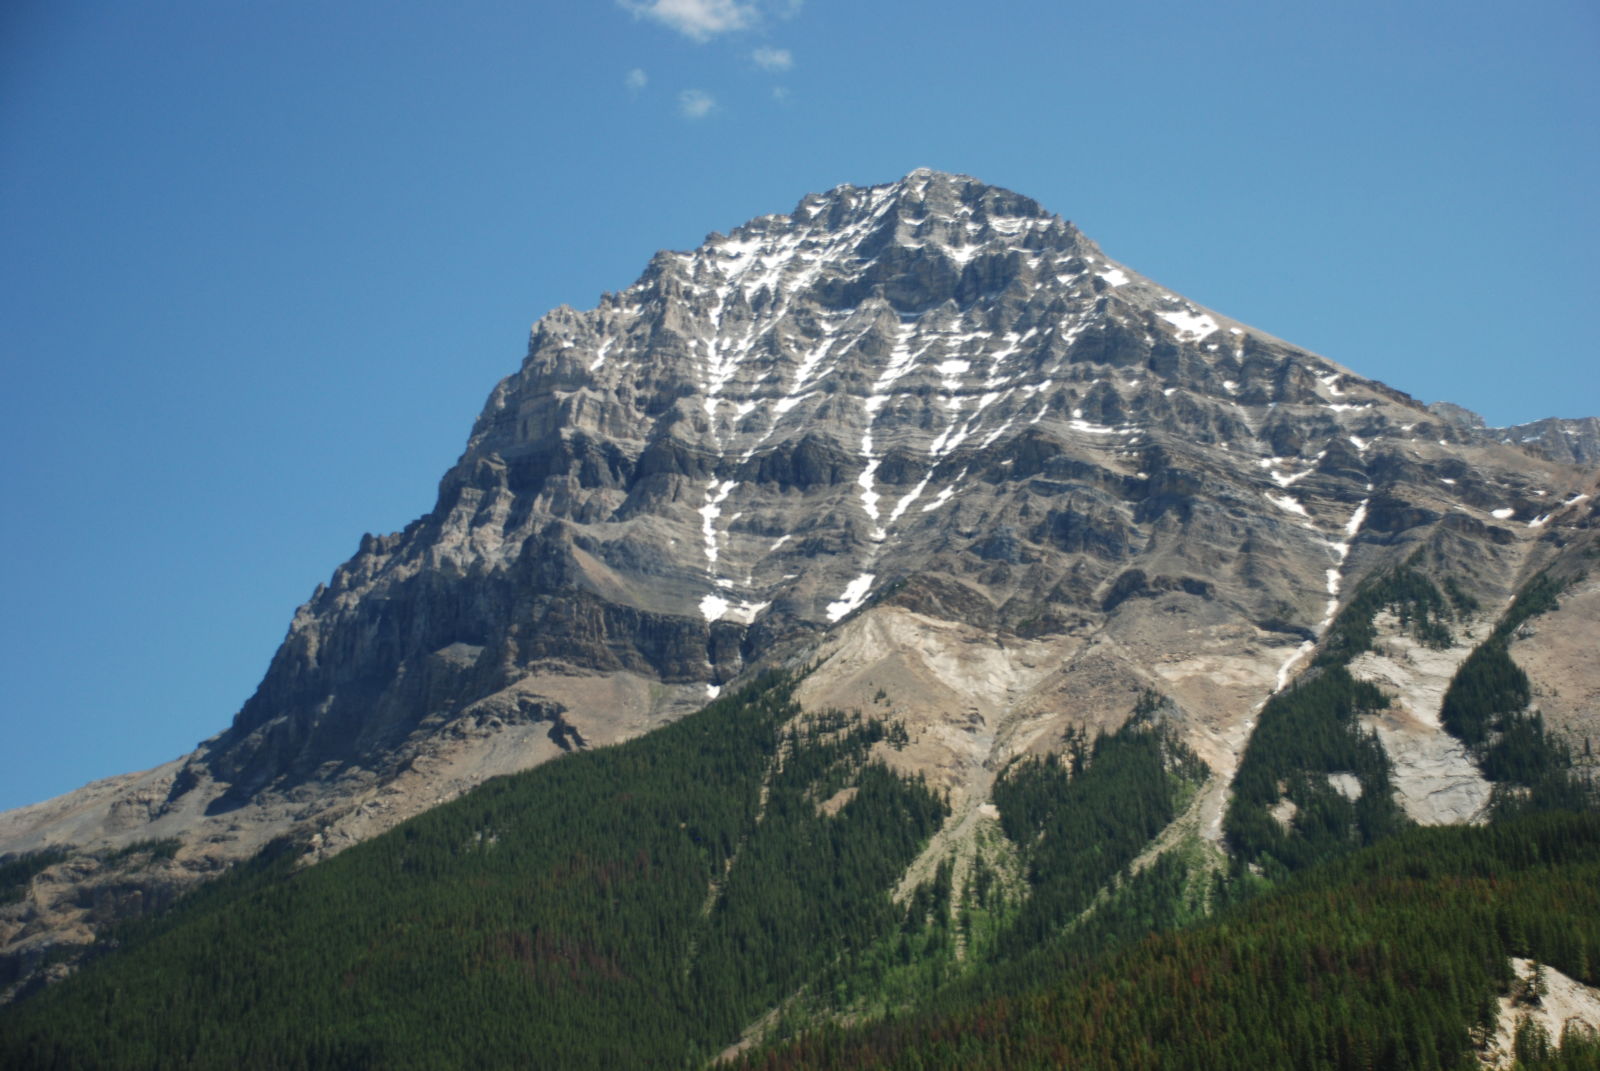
column 925, row 435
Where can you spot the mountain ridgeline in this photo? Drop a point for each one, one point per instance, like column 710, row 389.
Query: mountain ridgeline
column 934, row 385
column 892, row 612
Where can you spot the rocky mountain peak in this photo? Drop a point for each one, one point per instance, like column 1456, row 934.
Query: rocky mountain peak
column 925, row 435
column 926, row 205
column 931, row 389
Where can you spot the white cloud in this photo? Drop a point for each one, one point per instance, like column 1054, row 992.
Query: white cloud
column 773, row 59
column 636, row 79
column 699, row 19
column 780, row 93
column 696, row 104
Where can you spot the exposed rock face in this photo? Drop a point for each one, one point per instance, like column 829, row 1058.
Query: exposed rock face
column 1557, row 1005
column 925, row 433
column 1557, row 649
column 1573, row 441
column 1435, row 781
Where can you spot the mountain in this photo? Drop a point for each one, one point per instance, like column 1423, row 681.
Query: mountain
column 1576, row 442
column 928, row 440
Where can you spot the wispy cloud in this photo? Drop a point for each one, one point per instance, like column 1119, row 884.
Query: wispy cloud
column 773, row 59
column 696, row 104
column 636, row 79
column 699, row 19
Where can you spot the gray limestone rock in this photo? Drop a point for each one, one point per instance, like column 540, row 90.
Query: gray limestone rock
column 926, row 423
column 1575, row 442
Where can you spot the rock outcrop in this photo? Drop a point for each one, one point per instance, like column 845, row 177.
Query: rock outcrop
column 1574, row 441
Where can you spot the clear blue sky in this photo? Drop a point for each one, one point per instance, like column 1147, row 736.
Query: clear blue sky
column 264, row 261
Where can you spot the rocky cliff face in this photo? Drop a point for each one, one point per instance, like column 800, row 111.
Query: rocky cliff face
column 1574, row 441
column 924, row 434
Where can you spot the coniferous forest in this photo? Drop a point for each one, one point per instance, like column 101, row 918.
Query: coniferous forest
column 1389, row 958
column 740, row 874
column 631, row 906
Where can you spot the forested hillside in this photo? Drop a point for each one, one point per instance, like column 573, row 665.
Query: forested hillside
column 732, row 878
column 1390, row 958
column 632, row 906
column 1342, row 936
column 627, row 907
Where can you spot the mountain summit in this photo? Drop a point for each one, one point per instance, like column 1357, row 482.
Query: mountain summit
column 925, row 436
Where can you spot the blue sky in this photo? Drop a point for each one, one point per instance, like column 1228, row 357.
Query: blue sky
column 264, row 261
